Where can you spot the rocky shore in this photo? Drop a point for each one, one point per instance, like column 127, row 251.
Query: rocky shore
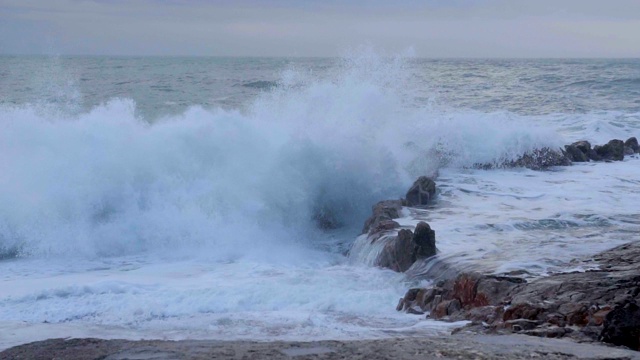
column 597, row 305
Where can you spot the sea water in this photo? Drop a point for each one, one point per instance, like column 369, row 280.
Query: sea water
column 179, row 197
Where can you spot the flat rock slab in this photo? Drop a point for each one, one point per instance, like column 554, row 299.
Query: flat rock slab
column 452, row 347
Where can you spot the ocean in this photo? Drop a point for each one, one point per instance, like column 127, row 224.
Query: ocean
column 178, row 198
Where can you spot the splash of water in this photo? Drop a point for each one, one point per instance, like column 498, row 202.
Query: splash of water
column 236, row 183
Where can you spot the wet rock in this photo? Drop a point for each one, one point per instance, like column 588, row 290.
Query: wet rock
column 583, row 145
column 541, row 159
column 575, row 154
column 523, row 311
column 622, row 326
column 632, row 143
column 398, row 253
column 385, row 225
column 576, row 305
column 402, row 250
column 425, row 239
column 421, row 192
column 383, row 211
column 611, row 151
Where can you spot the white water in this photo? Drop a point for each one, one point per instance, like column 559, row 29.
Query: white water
column 201, row 225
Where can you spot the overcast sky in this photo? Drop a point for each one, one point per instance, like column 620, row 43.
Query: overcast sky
column 442, row 28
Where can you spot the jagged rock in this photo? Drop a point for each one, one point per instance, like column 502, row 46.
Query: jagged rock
column 632, row 143
column 575, row 154
column 574, row 304
column 612, row 151
column 421, row 192
column 382, row 212
column 398, row 253
column 622, row 326
column 402, row 250
column 425, row 239
column 585, row 147
column 540, row 159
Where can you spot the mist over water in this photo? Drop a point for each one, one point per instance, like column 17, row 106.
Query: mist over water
column 139, row 193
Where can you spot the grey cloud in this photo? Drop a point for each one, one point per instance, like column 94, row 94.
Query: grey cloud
column 454, row 28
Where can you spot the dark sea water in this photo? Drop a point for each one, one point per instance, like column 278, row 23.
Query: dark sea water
column 178, row 197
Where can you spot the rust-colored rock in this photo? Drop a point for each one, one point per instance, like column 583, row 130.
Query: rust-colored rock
column 577, row 305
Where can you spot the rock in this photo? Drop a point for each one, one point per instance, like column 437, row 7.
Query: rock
column 575, row 154
column 383, row 211
column 585, row 147
column 421, row 192
column 632, row 143
column 425, row 239
column 576, row 305
column 385, row 225
column 622, row 326
column 402, row 250
column 398, row 252
column 540, row 159
column 611, row 151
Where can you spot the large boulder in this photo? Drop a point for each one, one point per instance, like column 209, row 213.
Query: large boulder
column 421, row 192
column 622, row 326
column 401, row 251
column 611, row 151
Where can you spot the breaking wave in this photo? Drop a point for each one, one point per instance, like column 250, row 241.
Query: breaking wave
column 311, row 154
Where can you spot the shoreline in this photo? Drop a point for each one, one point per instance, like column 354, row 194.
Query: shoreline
column 439, row 347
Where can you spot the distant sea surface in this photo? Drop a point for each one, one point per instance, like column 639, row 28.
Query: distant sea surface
column 179, row 197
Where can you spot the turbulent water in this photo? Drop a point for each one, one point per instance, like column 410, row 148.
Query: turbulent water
column 180, row 197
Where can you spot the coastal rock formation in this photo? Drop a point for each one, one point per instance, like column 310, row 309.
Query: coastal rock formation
column 597, row 304
column 632, row 145
column 537, row 159
column 421, row 192
column 402, row 250
column 383, row 214
column 586, row 151
column 579, row 151
column 576, row 154
column 611, row 151
column 540, row 159
column 622, row 326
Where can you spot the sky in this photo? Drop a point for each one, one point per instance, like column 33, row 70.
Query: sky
column 431, row 28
